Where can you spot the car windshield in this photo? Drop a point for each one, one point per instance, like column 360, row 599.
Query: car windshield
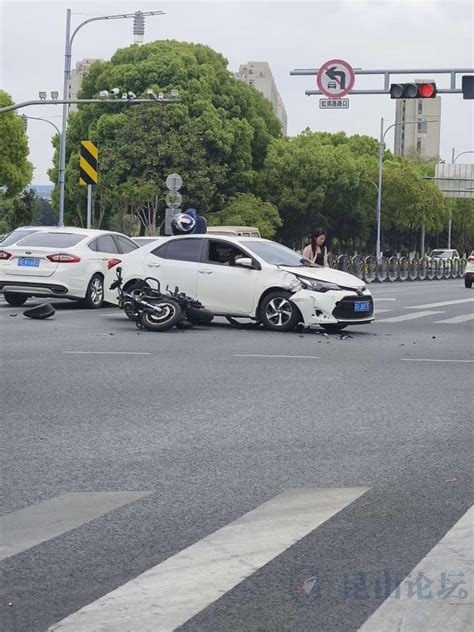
column 16, row 235
column 277, row 254
column 52, row 240
column 441, row 253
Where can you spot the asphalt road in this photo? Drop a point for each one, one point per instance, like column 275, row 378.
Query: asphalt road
column 206, row 426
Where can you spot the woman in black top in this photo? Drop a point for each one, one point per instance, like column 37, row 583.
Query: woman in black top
column 316, row 251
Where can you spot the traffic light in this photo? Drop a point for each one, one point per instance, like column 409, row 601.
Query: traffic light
column 468, row 87
column 412, row 90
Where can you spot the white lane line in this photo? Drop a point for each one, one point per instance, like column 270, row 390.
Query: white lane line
column 442, row 304
column 450, row 605
column 385, row 299
column 168, row 595
column 381, row 311
column 434, row 360
column 107, row 352
column 412, row 316
column 31, row 526
column 456, row 319
column 255, row 355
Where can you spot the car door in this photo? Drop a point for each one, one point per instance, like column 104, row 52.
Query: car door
column 175, row 263
column 223, row 287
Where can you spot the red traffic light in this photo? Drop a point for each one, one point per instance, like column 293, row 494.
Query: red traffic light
column 426, row 90
column 413, row 90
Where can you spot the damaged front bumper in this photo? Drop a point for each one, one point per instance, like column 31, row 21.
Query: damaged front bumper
column 333, row 307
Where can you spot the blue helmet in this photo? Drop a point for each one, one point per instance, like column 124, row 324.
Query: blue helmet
column 182, row 224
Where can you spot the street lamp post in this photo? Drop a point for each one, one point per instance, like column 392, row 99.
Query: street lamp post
column 461, row 154
column 381, row 154
column 38, row 118
column 138, row 28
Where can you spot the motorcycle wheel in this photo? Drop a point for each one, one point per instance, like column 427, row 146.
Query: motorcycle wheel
column 198, row 315
column 169, row 313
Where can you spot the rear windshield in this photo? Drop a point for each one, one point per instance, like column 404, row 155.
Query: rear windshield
column 53, row 240
column 16, row 235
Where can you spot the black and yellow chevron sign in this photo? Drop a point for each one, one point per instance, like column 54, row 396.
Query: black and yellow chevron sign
column 88, row 162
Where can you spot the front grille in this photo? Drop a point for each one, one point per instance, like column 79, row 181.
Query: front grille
column 344, row 309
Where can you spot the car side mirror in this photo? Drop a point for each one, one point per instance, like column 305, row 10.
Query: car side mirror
column 245, row 262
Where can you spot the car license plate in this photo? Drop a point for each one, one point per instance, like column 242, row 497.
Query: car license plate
column 29, row 263
column 362, row 307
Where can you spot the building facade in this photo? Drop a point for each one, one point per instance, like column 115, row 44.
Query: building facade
column 422, row 137
column 259, row 75
column 75, row 80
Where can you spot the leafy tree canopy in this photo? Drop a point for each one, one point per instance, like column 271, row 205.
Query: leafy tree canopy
column 246, row 209
column 15, row 169
column 216, row 137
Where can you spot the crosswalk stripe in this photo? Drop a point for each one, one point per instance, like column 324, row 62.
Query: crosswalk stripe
column 456, row 319
column 382, row 311
column 411, row 316
column 450, row 607
column 28, row 527
column 442, row 304
column 168, row 595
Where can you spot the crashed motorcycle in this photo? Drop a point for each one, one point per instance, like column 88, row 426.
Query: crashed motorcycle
column 152, row 309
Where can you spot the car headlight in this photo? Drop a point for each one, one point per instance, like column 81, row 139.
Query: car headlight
column 318, row 286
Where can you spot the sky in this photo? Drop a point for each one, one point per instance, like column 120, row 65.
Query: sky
column 369, row 34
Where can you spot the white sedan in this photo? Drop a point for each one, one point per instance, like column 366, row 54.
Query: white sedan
column 250, row 278
column 61, row 262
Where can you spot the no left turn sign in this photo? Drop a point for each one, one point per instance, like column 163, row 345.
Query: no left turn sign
column 335, row 78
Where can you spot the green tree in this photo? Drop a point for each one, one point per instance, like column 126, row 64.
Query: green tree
column 408, row 201
column 246, row 209
column 15, row 169
column 216, row 137
column 18, row 210
column 314, row 180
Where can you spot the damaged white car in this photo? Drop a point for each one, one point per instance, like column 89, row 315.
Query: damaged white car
column 250, row 278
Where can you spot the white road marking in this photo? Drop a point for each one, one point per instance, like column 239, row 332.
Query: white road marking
column 450, row 606
column 456, row 319
column 434, row 360
column 168, row 595
column 107, row 352
column 385, row 299
column 255, row 355
column 31, row 526
column 381, row 311
column 442, row 304
column 412, row 316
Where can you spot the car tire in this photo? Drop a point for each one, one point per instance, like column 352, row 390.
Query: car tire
column 15, row 299
column 94, row 297
column 278, row 313
column 467, row 282
column 333, row 329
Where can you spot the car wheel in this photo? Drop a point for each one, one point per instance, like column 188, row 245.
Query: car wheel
column 278, row 313
column 467, row 282
column 14, row 299
column 95, row 293
column 333, row 329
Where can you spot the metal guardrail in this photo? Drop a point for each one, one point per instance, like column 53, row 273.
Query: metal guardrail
column 398, row 269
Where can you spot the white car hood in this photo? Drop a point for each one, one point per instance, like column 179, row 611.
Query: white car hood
column 326, row 274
